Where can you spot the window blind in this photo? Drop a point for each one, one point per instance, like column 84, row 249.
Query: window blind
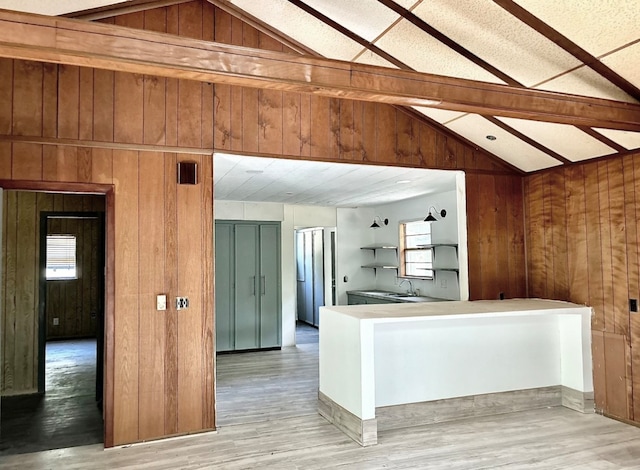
column 61, row 257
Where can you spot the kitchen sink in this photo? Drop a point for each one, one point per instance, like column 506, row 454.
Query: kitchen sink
column 387, row 294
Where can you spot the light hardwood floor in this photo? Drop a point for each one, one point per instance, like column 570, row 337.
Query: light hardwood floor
column 267, row 419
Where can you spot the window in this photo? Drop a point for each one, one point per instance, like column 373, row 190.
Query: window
column 61, row 257
column 415, row 254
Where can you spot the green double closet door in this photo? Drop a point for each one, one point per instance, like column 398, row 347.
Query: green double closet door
column 247, row 285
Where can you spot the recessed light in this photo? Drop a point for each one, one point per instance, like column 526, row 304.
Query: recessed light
column 289, row 193
column 255, row 172
column 403, row 181
column 491, row 137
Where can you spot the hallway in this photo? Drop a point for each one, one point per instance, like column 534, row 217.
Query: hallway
column 67, row 415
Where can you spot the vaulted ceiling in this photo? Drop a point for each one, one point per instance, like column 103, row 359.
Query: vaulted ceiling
column 576, row 47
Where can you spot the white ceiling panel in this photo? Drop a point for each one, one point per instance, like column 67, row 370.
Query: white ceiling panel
column 492, row 33
column 439, row 115
column 420, row 51
column 238, row 178
column 626, row 62
column 599, row 26
column 568, row 141
column 408, row 4
column 367, row 18
column 370, row 58
column 302, row 27
column 629, row 140
column 584, row 81
column 506, row 146
column 55, row 8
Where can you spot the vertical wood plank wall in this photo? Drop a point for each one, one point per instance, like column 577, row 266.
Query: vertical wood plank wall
column 582, row 245
column 75, row 302
column 20, row 295
column 164, row 367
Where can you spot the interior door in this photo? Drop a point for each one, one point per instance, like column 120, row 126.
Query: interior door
column 300, row 275
column 269, row 286
column 225, row 330
column 318, row 274
column 307, row 313
column 1, row 299
column 247, row 283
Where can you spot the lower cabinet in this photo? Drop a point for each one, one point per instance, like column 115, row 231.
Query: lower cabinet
column 355, row 299
column 247, row 285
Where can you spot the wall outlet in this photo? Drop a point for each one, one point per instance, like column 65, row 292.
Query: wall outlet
column 443, row 283
column 182, row 303
column 161, row 302
column 56, row 321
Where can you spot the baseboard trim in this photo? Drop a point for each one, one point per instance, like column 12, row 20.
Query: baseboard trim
column 364, row 432
column 577, row 400
column 438, row 411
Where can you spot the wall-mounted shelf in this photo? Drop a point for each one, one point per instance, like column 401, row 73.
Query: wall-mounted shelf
column 380, row 246
column 434, row 248
column 375, row 267
column 380, row 265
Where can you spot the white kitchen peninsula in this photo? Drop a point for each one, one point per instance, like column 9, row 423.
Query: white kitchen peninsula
column 410, row 364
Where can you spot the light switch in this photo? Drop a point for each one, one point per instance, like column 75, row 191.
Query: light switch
column 161, row 302
column 56, row 321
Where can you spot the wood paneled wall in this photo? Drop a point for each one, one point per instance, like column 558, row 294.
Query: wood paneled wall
column 163, row 385
column 75, row 302
column 582, row 244
column 163, row 362
column 19, row 336
column 496, row 239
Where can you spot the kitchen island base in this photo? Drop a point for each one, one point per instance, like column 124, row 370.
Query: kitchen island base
column 383, row 366
column 365, row 432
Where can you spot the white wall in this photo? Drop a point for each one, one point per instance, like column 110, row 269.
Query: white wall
column 446, row 284
column 291, row 218
column 354, row 232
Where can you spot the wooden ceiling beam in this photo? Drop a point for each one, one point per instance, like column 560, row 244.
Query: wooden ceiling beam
column 133, row 6
column 67, row 41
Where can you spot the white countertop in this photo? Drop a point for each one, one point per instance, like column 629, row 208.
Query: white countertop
column 408, row 311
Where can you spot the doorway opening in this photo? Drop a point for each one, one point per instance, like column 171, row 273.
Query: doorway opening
column 53, row 396
column 310, row 274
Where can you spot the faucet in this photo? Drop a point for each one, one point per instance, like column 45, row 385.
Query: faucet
column 410, row 291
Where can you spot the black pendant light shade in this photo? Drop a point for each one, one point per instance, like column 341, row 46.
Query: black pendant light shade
column 375, row 223
column 431, row 217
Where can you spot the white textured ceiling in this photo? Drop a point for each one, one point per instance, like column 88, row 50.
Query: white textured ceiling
column 606, row 29
column 54, row 8
column 242, row 178
column 489, row 31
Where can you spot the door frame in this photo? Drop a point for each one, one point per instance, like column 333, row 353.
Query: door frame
column 108, row 190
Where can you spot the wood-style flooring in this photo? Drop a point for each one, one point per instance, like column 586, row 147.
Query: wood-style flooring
column 66, row 415
column 289, row 434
